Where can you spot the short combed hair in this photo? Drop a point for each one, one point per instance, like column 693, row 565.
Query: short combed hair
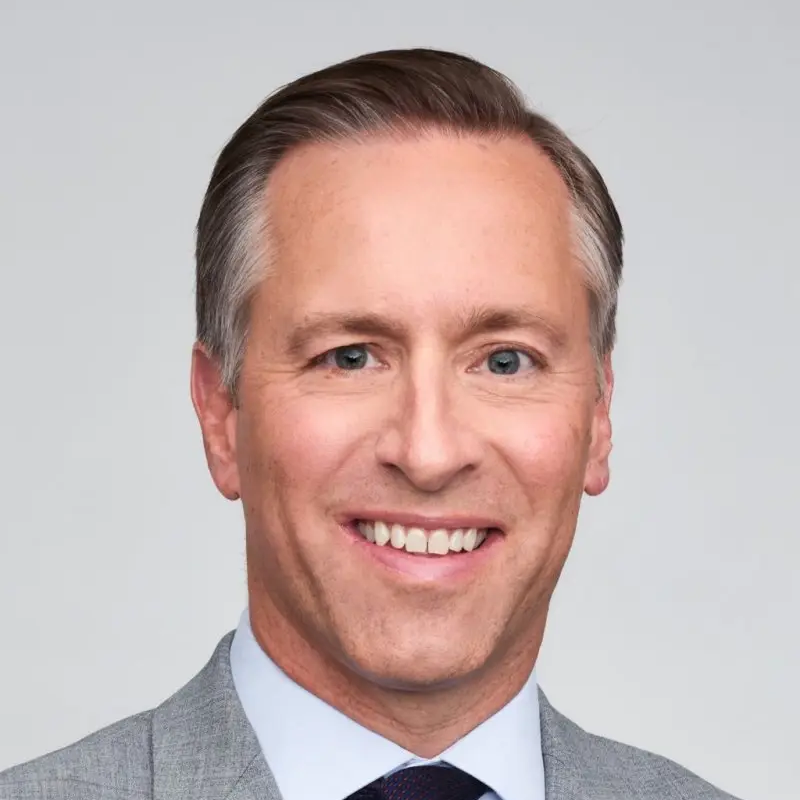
column 394, row 92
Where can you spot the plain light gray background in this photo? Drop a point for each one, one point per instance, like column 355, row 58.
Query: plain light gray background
column 675, row 627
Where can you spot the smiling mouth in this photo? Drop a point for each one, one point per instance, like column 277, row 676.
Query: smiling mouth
column 421, row 541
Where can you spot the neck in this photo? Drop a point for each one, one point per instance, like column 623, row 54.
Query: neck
column 423, row 720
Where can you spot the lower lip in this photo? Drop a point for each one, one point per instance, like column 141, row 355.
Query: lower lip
column 425, row 567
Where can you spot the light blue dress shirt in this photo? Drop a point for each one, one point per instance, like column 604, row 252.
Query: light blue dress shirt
column 315, row 751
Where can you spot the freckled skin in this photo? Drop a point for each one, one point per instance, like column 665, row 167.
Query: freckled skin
column 421, row 232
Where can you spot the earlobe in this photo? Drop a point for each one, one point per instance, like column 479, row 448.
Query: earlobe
column 597, row 468
column 216, row 413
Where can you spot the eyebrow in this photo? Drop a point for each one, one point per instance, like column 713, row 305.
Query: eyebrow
column 475, row 321
column 488, row 319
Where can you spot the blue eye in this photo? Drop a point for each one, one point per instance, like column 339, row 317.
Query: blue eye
column 509, row 362
column 355, row 357
column 350, row 357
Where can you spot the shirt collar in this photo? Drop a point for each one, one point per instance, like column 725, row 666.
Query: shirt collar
column 314, row 750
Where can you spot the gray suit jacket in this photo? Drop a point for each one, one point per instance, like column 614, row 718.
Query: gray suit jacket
column 198, row 745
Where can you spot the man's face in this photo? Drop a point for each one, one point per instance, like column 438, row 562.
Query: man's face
column 419, row 358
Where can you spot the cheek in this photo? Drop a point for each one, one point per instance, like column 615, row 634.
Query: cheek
column 290, row 454
column 547, row 447
column 295, row 444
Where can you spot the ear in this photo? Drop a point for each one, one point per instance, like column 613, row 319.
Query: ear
column 597, row 471
column 216, row 411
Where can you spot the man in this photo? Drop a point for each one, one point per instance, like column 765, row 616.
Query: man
column 406, row 292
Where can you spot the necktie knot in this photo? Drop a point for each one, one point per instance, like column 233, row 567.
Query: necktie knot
column 428, row 782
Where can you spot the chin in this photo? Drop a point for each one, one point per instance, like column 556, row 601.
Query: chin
column 420, row 664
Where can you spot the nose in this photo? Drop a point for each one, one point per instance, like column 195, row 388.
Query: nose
column 424, row 438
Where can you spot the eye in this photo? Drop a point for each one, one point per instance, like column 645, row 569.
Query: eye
column 510, row 361
column 350, row 358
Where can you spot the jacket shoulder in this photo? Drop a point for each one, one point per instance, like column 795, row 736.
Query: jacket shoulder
column 113, row 763
column 652, row 776
column 592, row 766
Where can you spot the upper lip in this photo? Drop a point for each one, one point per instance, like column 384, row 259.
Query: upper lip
column 411, row 520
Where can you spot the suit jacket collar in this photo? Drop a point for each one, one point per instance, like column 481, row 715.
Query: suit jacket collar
column 204, row 747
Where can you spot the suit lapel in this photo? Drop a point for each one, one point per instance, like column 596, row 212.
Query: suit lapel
column 558, row 782
column 203, row 745
column 256, row 783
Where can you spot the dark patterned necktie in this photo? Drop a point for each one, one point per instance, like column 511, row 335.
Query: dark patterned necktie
column 429, row 782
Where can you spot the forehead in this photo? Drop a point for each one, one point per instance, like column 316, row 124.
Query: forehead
column 439, row 219
column 385, row 176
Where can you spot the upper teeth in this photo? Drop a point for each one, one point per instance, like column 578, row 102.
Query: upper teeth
column 419, row 540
